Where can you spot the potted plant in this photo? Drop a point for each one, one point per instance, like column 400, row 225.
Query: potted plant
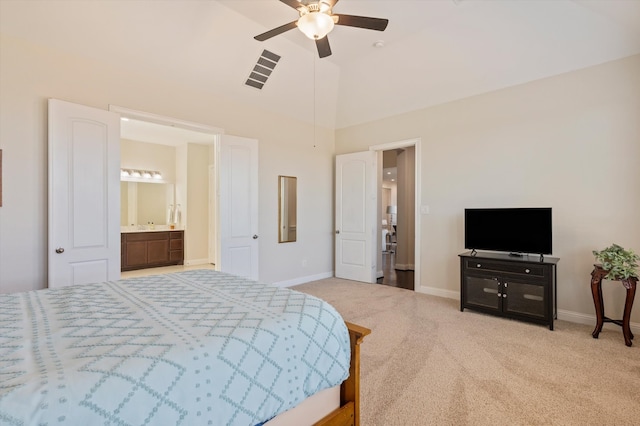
column 618, row 262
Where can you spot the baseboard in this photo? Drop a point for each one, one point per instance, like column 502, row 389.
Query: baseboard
column 302, row 280
column 449, row 294
column 196, row 262
column 564, row 315
column 579, row 318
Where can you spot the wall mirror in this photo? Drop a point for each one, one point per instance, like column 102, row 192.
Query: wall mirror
column 142, row 203
column 287, row 209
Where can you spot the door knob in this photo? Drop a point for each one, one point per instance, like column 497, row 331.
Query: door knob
column 255, row 237
column 59, row 250
column 337, row 231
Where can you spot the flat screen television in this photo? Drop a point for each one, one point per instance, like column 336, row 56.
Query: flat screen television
column 513, row 230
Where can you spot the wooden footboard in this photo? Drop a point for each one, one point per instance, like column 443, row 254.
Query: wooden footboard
column 349, row 411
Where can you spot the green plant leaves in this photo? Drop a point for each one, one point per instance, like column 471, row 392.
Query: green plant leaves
column 620, row 263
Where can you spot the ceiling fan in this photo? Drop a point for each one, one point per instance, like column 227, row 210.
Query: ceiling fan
column 317, row 20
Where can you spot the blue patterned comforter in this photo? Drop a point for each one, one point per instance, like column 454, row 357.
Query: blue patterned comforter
column 192, row 348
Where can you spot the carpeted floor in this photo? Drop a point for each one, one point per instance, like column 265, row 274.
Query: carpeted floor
column 427, row 363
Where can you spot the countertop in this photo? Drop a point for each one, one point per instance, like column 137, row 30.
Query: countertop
column 159, row 228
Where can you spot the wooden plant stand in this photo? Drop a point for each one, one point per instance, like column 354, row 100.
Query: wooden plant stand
column 596, row 289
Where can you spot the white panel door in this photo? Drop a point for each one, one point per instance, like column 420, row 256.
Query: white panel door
column 355, row 246
column 84, row 194
column 238, row 206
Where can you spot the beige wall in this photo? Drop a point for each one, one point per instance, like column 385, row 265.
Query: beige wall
column 570, row 142
column 197, row 221
column 31, row 74
column 149, row 156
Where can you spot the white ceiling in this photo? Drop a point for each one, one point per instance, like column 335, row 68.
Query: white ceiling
column 435, row 50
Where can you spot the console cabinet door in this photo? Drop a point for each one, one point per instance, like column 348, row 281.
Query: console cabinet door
column 525, row 299
column 483, row 292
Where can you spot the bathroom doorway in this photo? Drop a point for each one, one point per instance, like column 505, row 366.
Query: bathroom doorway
column 204, row 157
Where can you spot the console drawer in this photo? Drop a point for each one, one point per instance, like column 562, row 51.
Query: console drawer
column 508, row 267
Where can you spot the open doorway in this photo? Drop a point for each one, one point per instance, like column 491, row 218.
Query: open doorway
column 229, row 240
column 183, row 159
column 398, row 218
column 397, row 225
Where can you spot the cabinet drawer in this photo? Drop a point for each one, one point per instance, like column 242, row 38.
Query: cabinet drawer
column 514, row 268
column 176, row 255
column 147, row 236
column 174, row 235
column 175, row 244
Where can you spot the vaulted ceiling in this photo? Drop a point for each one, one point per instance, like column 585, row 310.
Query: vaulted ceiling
column 434, row 51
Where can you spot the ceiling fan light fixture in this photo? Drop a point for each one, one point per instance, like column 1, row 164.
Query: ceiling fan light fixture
column 315, row 25
column 316, row 20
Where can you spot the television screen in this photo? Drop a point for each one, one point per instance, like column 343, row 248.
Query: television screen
column 515, row 230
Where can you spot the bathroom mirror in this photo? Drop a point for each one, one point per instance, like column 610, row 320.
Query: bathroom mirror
column 142, row 203
column 287, row 209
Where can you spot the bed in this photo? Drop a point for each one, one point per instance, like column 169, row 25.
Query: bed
column 194, row 347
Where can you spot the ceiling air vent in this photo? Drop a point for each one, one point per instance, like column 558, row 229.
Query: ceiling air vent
column 263, row 69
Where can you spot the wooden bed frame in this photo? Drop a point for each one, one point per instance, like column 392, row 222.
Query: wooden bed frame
column 348, row 414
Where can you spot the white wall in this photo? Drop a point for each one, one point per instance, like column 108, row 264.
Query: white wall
column 31, row 74
column 570, row 142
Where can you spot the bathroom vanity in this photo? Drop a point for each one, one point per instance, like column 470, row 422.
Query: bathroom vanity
column 151, row 248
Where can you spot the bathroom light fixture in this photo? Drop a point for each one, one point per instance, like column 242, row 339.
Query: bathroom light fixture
column 136, row 175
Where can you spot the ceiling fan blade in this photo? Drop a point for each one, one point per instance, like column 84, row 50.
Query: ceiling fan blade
column 293, row 3
column 377, row 24
column 324, row 49
column 274, row 32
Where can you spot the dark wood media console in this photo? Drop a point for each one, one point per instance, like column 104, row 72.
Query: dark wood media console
column 519, row 287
